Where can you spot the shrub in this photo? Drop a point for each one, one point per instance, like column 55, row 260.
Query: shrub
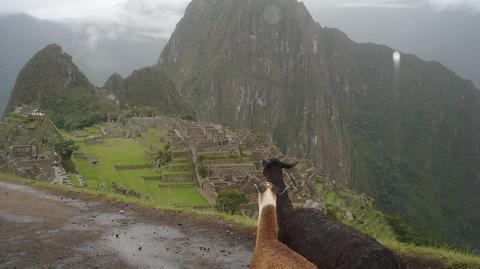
column 405, row 233
column 187, row 117
column 164, row 157
column 203, row 171
column 65, row 149
column 69, row 166
column 331, row 212
column 230, row 201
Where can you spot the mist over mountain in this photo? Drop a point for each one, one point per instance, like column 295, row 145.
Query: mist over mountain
column 98, row 49
column 449, row 36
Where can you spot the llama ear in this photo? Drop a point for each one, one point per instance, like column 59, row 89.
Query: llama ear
column 288, row 164
column 261, row 187
column 265, row 163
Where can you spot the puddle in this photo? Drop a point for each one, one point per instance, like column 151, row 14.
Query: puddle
column 109, row 219
column 150, row 246
column 4, row 216
column 41, row 194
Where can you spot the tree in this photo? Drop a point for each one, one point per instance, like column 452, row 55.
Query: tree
column 230, row 201
column 65, row 149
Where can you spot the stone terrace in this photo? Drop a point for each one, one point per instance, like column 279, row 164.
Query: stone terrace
column 222, row 159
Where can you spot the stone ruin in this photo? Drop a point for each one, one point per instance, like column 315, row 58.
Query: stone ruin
column 23, row 151
column 114, row 188
column 30, row 152
column 24, row 161
column 29, row 110
column 222, row 153
column 229, row 168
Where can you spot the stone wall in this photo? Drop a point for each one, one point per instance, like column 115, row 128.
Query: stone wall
column 23, row 151
column 35, row 169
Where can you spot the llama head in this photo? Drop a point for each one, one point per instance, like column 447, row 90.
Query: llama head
column 272, row 170
column 266, row 195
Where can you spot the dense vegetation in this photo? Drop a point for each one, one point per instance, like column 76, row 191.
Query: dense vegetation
column 148, row 91
column 230, row 201
column 76, row 109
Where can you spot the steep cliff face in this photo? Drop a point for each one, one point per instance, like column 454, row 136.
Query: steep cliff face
column 55, row 83
column 254, row 64
column 403, row 133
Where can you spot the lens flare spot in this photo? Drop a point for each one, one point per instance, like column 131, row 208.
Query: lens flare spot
column 272, row 14
column 397, row 57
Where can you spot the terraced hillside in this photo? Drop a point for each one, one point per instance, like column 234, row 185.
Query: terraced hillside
column 121, row 165
column 27, row 146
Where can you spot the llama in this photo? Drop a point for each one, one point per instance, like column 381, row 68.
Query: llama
column 323, row 241
column 269, row 252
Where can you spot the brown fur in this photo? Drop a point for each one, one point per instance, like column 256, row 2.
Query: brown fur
column 271, row 253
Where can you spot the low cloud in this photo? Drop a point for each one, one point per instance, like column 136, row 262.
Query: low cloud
column 363, row 3
column 156, row 19
column 470, row 5
column 150, row 18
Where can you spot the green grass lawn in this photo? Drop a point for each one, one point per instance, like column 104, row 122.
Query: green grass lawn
column 123, row 151
column 175, row 196
column 183, row 172
column 155, row 137
column 250, row 164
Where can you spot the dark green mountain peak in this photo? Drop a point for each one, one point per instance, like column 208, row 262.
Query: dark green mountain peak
column 55, row 83
column 114, row 84
column 46, row 75
column 148, row 87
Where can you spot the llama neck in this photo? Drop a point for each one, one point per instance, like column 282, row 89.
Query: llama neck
column 284, row 205
column 267, row 229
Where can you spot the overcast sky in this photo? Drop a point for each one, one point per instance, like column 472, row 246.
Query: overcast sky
column 158, row 17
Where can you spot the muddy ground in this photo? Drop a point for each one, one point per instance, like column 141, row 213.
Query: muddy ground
column 41, row 229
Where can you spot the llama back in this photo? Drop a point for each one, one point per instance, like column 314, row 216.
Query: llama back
column 330, row 244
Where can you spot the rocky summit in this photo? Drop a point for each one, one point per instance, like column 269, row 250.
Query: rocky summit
column 399, row 128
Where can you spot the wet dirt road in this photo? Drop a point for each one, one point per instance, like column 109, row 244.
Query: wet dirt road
column 40, row 229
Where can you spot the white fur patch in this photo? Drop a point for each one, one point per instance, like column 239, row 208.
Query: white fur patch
column 265, row 199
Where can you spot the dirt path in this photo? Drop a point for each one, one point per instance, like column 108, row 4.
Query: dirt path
column 39, row 229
